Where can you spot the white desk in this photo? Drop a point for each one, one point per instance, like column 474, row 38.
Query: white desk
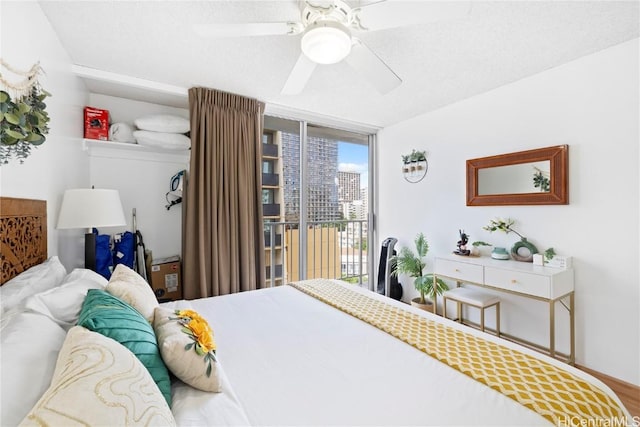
column 521, row 278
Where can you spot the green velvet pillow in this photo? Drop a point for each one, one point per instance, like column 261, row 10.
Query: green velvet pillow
column 108, row 315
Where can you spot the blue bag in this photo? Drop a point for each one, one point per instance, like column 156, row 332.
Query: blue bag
column 104, row 259
column 123, row 251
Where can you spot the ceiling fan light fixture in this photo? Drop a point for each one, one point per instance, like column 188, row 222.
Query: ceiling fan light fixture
column 326, row 42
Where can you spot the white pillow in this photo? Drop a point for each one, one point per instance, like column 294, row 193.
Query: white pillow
column 36, row 279
column 131, row 288
column 63, row 303
column 98, row 381
column 29, row 349
column 163, row 123
column 169, row 141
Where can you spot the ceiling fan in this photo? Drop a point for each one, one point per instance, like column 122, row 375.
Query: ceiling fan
column 328, row 29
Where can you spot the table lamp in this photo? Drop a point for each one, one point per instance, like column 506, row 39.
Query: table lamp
column 88, row 208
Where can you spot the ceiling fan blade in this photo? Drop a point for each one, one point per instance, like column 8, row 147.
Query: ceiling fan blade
column 372, row 68
column 247, row 29
column 362, row 5
column 299, row 75
column 392, row 14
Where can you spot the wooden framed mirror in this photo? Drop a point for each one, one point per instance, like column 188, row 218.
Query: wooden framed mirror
column 532, row 177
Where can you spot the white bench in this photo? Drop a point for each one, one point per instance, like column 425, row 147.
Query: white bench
column 473, row 298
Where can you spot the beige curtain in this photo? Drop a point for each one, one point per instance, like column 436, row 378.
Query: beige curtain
column 223, row 247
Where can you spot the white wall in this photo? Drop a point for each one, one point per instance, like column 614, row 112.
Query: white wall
column 590, row 104
column 59, row 163
column 142, row 178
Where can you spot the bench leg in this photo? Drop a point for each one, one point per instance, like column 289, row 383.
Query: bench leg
column 459, row 307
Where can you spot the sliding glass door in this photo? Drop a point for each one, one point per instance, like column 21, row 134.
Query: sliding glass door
column 316, row 202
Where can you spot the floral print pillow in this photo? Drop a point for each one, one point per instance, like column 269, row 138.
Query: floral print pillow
column 187, row 347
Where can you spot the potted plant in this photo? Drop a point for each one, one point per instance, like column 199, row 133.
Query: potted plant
column 405, row 162
column 420, row 156
column 506, row 226
column 413, row 160
column 477, row 247
column 549, row 254
column 413, row 264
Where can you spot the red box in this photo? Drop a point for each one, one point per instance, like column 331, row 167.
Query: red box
column 96, row 123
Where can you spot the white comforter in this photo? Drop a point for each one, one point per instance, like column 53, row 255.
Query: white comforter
column 292, row 360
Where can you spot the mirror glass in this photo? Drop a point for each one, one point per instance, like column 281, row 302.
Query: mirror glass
column 522, row 178
column 532, row 177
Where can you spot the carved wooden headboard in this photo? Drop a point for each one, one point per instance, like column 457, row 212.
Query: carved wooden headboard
column 23, row 235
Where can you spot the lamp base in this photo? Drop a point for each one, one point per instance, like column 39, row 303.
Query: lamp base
column 90, row 251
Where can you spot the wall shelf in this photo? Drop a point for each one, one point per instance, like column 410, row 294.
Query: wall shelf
column 113, row 149
column 127, row 87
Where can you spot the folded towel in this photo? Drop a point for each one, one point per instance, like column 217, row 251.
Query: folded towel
column 121, row 132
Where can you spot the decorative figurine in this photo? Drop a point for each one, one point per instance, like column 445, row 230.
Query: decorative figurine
column 462, row 244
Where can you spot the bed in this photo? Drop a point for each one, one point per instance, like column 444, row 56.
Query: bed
column 318, row 352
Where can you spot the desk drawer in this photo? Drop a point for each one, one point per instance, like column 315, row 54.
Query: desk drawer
column 460, row 270
column 517, row 281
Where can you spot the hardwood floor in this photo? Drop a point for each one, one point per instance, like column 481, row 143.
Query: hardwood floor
column 629, row 394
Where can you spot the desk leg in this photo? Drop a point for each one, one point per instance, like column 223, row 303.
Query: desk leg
column 552, row 329
column 572, row 332
column 435, row 296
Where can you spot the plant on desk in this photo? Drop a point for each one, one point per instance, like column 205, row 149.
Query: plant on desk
column 506, row 226
column 413, row 264
column 478, row 243
column 477, row 246
column 549, row 254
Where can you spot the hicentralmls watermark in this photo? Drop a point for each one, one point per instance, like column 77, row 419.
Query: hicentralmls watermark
column 598, row 422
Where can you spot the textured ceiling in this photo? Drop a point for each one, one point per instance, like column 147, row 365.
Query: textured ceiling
column 452, row 56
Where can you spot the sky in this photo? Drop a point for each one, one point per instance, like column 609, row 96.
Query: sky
column 354, row 158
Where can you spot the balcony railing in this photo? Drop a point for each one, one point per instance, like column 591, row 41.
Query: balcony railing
column 335, row 250
column 270, row 179
column 271, row 209
column 267, row 239
column 270, row 150
column 277, row 272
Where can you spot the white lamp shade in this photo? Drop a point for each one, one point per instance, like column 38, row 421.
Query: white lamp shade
column 87, row 208
column 326, row 42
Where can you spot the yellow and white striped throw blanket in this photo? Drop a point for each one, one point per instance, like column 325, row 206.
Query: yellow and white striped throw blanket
column 552, row 392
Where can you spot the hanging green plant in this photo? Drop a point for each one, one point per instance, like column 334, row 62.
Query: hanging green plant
column 542, row 182
column 24, row 121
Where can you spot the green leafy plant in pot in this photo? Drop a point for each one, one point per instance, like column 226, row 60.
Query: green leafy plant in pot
column 413, row 264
